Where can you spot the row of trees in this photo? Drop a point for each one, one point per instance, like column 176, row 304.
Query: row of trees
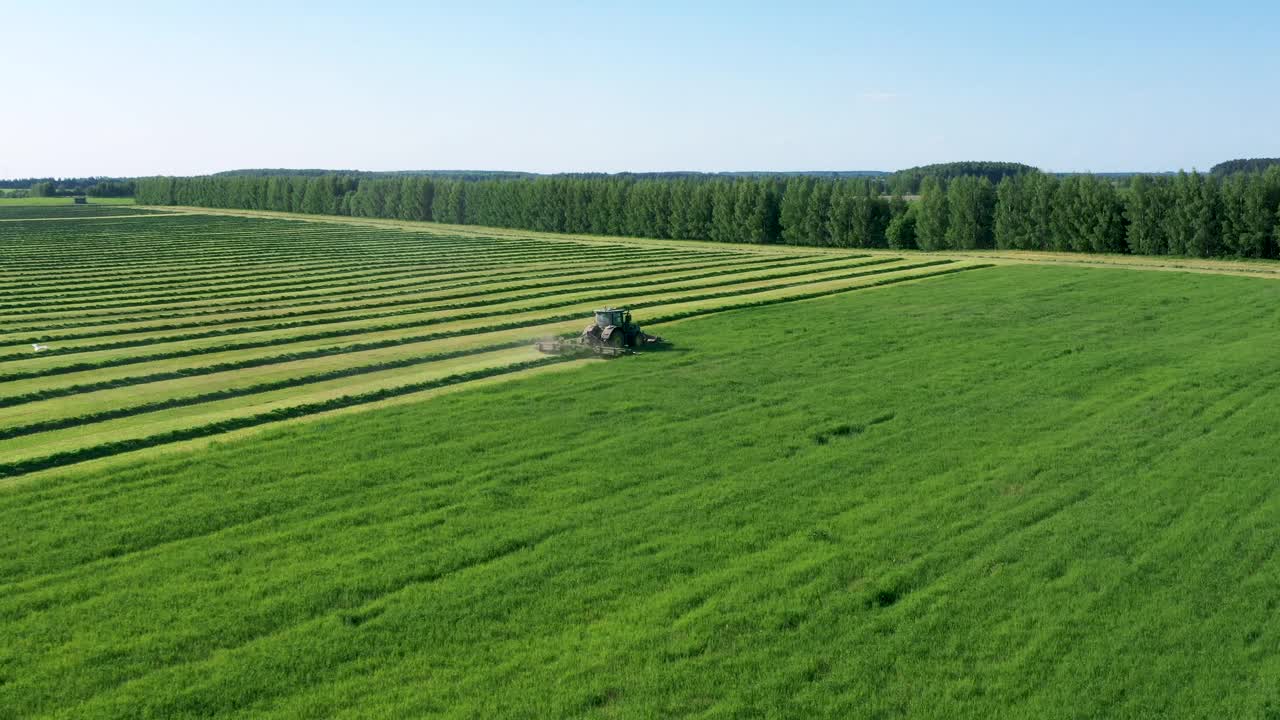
column 1186, row 214
column 111, row 188
column 909, row 181
column 1243, row 165
column 63, row 187
column 800, row 210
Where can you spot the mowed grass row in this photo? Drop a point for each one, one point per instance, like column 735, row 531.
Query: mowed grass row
column 117, row 395
column 352, row 315
column 159, row 250
column 455, row 321
column 308, row 302
column 9, row 201
column 299, row 249
column 531, row 276
column 1020, row 492
column 48, row 444
column 446, row 286
column 396, row 267
column 353, row 268
column 435, row 303
column 406, row 274
column 339, row 292
column 24, row 210
column 110, row 392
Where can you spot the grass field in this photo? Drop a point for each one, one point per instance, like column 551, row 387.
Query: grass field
column 170, row 328
column 60, row 201
column 48, row 208
column 1024, row 491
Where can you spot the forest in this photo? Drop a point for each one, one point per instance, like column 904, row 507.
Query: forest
column 908, row 181
column 65, row 187
column 1245, row 165
column 1192, row 214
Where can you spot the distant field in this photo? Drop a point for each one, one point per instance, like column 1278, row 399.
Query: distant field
column 47, row 208
column 1019, row 492
column 45, row 201
column 165, row 329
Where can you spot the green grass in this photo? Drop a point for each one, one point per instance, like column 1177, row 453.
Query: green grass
column 54, row 208
column 1017, row 492
column 60, row 201
column 164, row 328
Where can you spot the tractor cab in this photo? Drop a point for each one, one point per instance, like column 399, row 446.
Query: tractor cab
column 612, row 317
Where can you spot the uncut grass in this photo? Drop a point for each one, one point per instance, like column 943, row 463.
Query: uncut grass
column 937, row 511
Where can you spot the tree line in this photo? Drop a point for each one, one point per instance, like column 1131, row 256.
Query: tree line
column 64, row 187
column 1185, row 214
column 1231, row 167
column 908, row 182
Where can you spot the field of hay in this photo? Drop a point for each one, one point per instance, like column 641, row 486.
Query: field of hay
column 278, row 468
column 63, row 208
column 165, row 328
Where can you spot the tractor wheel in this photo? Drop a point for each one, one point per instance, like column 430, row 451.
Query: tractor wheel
column 617, row 339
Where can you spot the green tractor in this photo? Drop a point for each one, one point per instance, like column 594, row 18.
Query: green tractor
column 612, row 333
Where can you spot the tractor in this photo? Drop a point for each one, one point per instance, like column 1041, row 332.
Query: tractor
column 612, row 333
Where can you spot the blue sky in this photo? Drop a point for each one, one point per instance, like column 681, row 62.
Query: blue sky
column 183, row 88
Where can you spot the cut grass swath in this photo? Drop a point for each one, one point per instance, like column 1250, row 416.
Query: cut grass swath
column 106, row 449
